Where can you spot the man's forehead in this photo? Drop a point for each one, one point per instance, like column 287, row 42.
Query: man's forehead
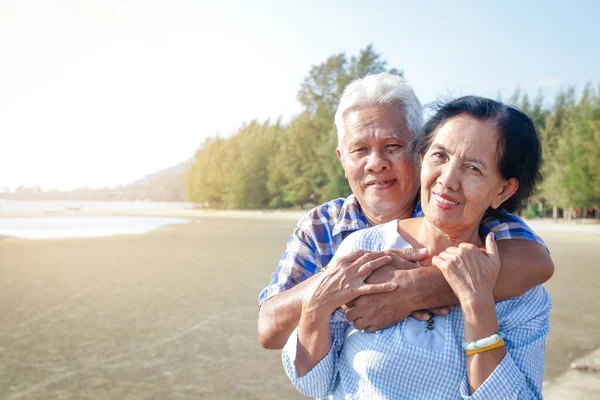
column 384, row 121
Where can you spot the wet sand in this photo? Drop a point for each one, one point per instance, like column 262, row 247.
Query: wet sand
column 172, row 314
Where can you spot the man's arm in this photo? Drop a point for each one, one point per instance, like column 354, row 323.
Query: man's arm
column 278, row 316
column 524, row 264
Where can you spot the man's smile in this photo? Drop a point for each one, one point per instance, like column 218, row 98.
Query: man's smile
column 380, row 184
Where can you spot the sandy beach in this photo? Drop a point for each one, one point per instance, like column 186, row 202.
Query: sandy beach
column 172, row 314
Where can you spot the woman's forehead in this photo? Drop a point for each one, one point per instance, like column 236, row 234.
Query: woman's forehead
column 467, row 134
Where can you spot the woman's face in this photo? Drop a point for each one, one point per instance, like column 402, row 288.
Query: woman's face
column 460, row 177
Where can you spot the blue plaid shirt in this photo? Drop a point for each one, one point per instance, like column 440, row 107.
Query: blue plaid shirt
column 319, row 233
column 409, row 361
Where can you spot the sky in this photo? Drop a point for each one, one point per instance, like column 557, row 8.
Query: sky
column 101, row 93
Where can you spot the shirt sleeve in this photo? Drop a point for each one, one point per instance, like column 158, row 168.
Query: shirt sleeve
column 322, row 380
column 520, row 374
column 298, row 263
column 508, row 226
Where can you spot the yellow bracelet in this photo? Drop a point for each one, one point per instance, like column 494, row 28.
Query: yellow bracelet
column 490, row 347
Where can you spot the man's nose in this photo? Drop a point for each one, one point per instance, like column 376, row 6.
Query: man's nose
column 377, row 162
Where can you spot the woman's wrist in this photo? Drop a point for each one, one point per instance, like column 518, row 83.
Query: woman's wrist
column 480, row 319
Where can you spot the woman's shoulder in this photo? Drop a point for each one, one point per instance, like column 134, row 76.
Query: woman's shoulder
column 373, row 238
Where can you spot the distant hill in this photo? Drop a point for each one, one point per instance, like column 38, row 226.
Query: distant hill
column 165, row 185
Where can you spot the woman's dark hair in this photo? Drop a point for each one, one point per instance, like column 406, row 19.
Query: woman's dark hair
column 518, row 143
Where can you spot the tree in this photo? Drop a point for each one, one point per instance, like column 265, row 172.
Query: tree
column 572, row 142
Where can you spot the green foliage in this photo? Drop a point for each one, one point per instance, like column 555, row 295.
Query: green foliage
column 275, row 166
column 573, row 148
column 270, row 165
column 532, row 211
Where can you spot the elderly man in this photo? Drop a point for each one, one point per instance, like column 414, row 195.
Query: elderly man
column 376, row 118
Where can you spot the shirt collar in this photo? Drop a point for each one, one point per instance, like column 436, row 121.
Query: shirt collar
column 351, row 217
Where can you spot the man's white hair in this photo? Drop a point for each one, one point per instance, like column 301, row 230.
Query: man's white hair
column 378, row 89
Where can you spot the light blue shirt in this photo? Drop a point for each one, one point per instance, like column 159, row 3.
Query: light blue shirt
column 407, row 361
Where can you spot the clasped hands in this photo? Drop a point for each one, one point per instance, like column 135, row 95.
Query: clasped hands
column 376, row 289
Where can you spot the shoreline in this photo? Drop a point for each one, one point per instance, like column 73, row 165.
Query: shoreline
column 181, row 213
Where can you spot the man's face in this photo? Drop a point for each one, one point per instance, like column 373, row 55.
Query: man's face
column 381, row 173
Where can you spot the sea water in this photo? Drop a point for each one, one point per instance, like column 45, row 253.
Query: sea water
column 54, row 227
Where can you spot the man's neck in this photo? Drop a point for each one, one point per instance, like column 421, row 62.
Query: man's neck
column 378, row 218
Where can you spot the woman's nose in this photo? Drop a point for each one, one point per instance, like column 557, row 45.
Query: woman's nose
column 450, row 177
column 377, row 162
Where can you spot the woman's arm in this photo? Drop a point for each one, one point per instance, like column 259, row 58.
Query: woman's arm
column 321, row 380
column 310, row 354
column 520, row 373
column 517, row 367
column 336, row 287
column 472, row 275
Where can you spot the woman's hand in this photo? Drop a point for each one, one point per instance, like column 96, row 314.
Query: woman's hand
column 345, row 281
column 469, row 271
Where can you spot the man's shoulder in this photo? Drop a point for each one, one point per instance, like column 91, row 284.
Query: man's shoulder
column 332, row 212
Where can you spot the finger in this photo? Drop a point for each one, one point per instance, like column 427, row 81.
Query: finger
column 348, row 305
column 421, row 315
column 365, row 258
column 466, row 246
column 411, row 254
column 355, row 255
column 377, row 288
column 367, row 268
column 439, row 262
column 452, row 250
column 371, row 329
column 492, row 248
column 352, row 314
column 443, row 311
column 360, row 324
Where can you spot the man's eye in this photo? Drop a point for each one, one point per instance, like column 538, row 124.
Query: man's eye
column 393, row 147
column 473, row 168
column 359, row 149
column 437, row 154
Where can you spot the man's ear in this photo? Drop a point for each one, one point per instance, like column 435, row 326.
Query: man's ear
column 508, row 189
column 341, row 159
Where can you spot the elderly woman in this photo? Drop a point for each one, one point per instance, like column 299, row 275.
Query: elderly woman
column 477, row 156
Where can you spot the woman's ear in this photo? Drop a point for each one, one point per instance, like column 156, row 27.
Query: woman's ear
column 508, row 189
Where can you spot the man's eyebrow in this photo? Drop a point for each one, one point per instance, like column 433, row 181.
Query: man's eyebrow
column 470, row 159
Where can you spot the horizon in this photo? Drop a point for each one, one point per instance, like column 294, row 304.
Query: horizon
column 148, row 82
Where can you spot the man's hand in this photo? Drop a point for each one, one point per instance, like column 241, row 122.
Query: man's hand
column 382, row 310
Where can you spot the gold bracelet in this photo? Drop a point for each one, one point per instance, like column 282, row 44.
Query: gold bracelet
column 490, row 347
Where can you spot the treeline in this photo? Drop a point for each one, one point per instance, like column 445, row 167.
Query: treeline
column 570, row 133
column 274, row 165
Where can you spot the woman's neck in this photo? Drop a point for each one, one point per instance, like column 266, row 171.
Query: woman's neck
column 435, row 240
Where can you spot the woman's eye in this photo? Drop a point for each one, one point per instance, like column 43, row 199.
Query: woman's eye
column 473, row 168
column 393, row 147
column 437, row 154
